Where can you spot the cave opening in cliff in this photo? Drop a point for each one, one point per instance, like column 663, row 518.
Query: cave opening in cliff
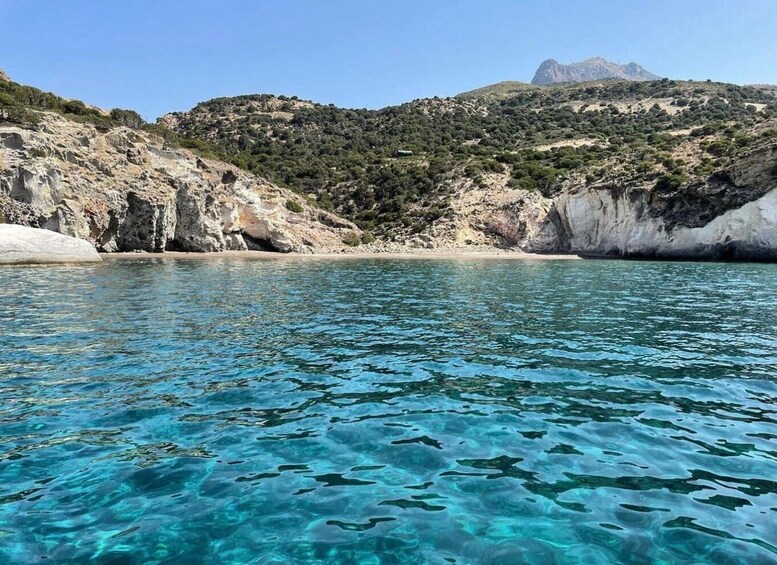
column 175, row 245
column 259, row 244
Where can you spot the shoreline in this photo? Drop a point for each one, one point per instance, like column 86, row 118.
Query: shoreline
column 271, row 255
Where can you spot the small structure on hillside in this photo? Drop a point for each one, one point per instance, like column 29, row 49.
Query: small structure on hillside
column 404, row 153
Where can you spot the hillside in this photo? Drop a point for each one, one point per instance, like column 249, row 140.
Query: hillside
column 474, row 157
column 500, row 89
column 551, row 71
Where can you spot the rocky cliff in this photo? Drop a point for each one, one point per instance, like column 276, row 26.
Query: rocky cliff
column 730, row 215
column 596, row 68
column 597, row 222
column 126, row 190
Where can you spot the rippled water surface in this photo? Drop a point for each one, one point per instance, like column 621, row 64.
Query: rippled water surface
column 388, row 411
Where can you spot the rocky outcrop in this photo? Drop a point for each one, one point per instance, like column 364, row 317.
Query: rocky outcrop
column 695, row 204
column 20, row 244
column 126, row 190
column 596, row 68
column 600, row 222
column 731, row 215
column 4, row 76
column 493, row 214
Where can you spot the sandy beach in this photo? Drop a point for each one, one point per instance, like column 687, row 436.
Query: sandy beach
column 269, row 255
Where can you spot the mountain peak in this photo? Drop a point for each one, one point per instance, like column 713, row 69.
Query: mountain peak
column 551, row 71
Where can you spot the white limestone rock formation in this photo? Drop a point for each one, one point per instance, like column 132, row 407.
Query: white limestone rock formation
column 730, row 215
column 23, row 245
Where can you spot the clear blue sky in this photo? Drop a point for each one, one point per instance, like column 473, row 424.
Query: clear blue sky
column 159, row 56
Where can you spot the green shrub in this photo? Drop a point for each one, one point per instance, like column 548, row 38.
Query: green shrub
column 75, row 107
column 7, row 100
column 128, row 118
column 352, row 239
column 670, row 182
column 293, row 206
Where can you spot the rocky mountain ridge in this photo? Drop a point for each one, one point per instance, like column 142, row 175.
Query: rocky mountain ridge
column 551, row 71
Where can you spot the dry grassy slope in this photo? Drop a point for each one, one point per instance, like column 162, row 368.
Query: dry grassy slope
column 499, row 89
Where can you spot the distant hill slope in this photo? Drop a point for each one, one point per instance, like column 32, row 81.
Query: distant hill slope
column 768, row 88
column 596, row 68
column 505, row 88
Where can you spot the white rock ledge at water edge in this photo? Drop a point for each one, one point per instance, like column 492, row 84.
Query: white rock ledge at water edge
column 23, row 245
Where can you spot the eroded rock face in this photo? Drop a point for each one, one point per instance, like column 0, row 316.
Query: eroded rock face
column 603, row 222
column 148, row 223
column 20, row 244
column 491, row 214
column 124, row 190
column 747, row 179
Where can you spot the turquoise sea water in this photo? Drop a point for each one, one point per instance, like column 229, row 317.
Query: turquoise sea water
column 388, row 411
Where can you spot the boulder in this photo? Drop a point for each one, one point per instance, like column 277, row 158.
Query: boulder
column 20, row 244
